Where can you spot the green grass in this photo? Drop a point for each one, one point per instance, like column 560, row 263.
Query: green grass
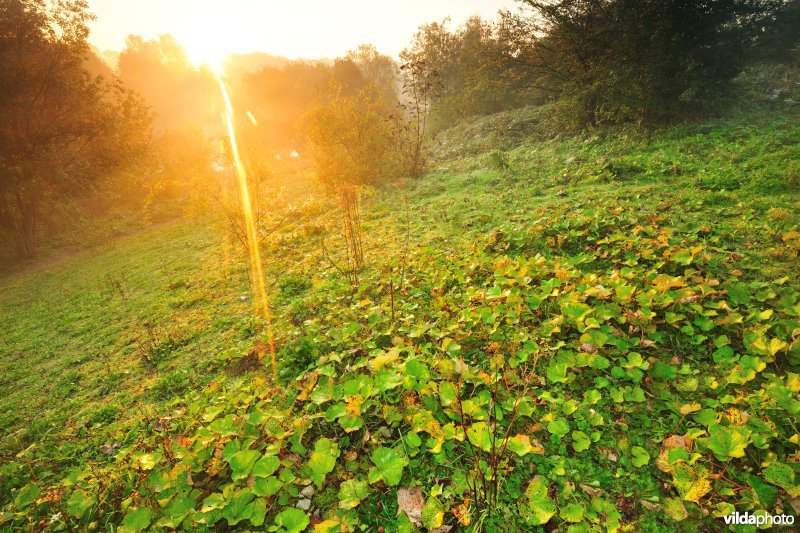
column 77, row 335
column 129, row 393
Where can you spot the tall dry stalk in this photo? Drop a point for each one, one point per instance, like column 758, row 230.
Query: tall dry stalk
column 351, row 220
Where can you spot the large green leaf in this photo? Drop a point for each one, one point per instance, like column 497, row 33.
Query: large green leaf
column 27, row 495
column 292, row 520
column 79, row 504
column 575, row 311
column 784, row 477
column 389, row 465
column 258, row 512
column 239, row 508
column 352, row 492
column 351, row 422
column 727, row 442
column 242, row 463
column 559, row 427
column 572, row 512
column 480, row 435
column 266, row 466
column 639, row 456
column 135, row 521
column 663, row 372
column 267, row 486
column 322, row 460
column 416, row 369
column 580, row 441
column 447, row 393
column 557, row 372
column 539, row 509
column 177, row 510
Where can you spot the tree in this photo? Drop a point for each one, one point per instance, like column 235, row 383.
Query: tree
column 469, row 66
column 161, row 71
column 279, row 96
column 648, row 61
column 781, row 40
column 377, row 69
column 351, row 138
column 352, row 142
column 60, row 129
column 347, row 75
column 421, row 86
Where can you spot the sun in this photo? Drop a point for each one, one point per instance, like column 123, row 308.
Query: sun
column 204, row 52
column 208, row 38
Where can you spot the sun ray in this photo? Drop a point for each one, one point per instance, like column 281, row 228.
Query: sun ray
column 259, row 287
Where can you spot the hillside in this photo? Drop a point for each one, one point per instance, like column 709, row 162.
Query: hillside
column 598, row 332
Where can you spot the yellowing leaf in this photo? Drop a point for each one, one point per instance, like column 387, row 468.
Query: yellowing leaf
column 351, row 493
column 353, row 405
column 776, row 345
column 662, row 461
column 688, row 408
column 765, row 315
column 540, row 508
column 791, row 235
column 328, row 526
column 727, row 442
column 433, row 514
column 737, row 417
column 691, row 484
column 322, row 460
column 462, row 512
column 380, row 361
column 699, row 488
column 520, row 444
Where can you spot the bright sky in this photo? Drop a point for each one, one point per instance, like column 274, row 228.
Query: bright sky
column 292, row 28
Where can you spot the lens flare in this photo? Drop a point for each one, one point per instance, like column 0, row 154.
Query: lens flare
column 259, row 287
column 252, row 118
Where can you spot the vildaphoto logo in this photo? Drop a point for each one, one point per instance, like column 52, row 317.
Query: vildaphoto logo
column 765, row 519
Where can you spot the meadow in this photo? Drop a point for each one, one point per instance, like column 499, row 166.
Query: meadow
column 597, row 330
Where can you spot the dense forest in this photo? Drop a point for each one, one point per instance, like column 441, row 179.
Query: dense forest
column 536, row 273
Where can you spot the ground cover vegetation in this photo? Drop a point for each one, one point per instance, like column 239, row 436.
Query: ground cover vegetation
column 593, row 327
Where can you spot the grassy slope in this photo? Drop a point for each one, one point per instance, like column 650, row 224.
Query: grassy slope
column 81, row 331
column 74, row 346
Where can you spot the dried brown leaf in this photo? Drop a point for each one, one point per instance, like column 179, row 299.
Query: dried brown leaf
column 411, row 501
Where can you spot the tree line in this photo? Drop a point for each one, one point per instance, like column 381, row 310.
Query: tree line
column 61, row 128
column 648, row 62
column 70, row 127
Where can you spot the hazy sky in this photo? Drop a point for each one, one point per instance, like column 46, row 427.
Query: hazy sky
column 293, row 28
